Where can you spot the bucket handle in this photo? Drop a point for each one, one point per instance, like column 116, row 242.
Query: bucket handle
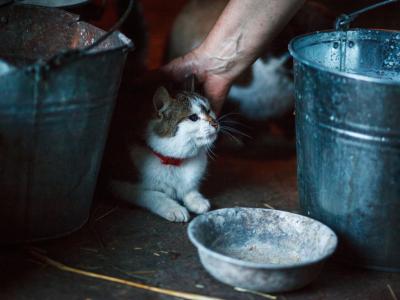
column 344, row 20
column 117, row 25
column 71, row 55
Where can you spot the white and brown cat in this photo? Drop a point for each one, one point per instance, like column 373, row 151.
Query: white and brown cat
column 172, row 160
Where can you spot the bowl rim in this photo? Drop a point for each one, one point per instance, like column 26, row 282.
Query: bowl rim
column 314, row 65
column 243, row 263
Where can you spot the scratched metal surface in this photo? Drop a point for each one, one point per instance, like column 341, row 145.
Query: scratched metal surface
column 262, row 249
column 348, row 139
column 54, row 115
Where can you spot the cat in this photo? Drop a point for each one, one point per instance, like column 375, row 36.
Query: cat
column 172, row 160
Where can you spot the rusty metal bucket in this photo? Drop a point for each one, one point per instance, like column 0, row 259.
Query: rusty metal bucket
column 347, row 85
column 56, row 103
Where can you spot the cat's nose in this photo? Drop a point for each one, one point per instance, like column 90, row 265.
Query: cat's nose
column 212, row 122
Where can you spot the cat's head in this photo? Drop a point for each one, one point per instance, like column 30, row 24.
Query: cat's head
column 185, row 122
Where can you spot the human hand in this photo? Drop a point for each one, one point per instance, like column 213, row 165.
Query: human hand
column 214, row 81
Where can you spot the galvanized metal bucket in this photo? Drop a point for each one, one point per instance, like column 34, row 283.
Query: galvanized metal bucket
column 56, row 102
column 347, row 86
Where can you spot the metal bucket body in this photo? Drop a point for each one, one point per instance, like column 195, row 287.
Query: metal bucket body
column 348, row 140
column 54, row 117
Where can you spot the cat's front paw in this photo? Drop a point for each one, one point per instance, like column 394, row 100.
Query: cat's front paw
column 196, row 203
column 175, row 213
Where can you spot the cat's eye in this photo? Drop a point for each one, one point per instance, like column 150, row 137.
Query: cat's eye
column 193, row 117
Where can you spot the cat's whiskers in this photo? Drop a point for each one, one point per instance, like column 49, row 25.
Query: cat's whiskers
column 229, row 121
column 231, row 136
column 226, row 127
column 227, row 115
column 234, row 130
column 209, row 136
column 210, row 154
column 213, row 156
column 207, row 151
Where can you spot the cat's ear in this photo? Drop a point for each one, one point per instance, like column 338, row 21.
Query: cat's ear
column 161, row 100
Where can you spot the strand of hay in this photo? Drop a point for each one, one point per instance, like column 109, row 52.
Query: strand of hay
column 154, row 289
column 392, row 292
column 268, row 296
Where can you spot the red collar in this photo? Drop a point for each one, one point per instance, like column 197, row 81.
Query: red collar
column 166, row 160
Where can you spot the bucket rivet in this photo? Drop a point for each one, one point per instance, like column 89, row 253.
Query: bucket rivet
column 336, row 45
column 351, row 44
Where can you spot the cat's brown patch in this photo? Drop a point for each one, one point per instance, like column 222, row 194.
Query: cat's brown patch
column 176, row 110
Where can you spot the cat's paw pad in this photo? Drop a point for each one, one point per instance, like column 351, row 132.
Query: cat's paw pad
column 176, row 213
column 197, row 204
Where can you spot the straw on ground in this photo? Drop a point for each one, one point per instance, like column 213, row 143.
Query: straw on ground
column 391, row 292
column 256, row 293
column 138, row 285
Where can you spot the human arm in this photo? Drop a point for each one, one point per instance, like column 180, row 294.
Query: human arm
column 237, row 39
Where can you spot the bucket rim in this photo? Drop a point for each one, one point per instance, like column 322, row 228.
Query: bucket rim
column 312, row 64
column 126, row 45
column 69, row 54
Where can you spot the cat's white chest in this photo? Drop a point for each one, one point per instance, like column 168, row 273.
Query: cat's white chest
column 173, row 180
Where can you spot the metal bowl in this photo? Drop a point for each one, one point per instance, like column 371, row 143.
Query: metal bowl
column 261, row 249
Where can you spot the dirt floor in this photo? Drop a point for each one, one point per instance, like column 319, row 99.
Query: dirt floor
column 132, row 244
